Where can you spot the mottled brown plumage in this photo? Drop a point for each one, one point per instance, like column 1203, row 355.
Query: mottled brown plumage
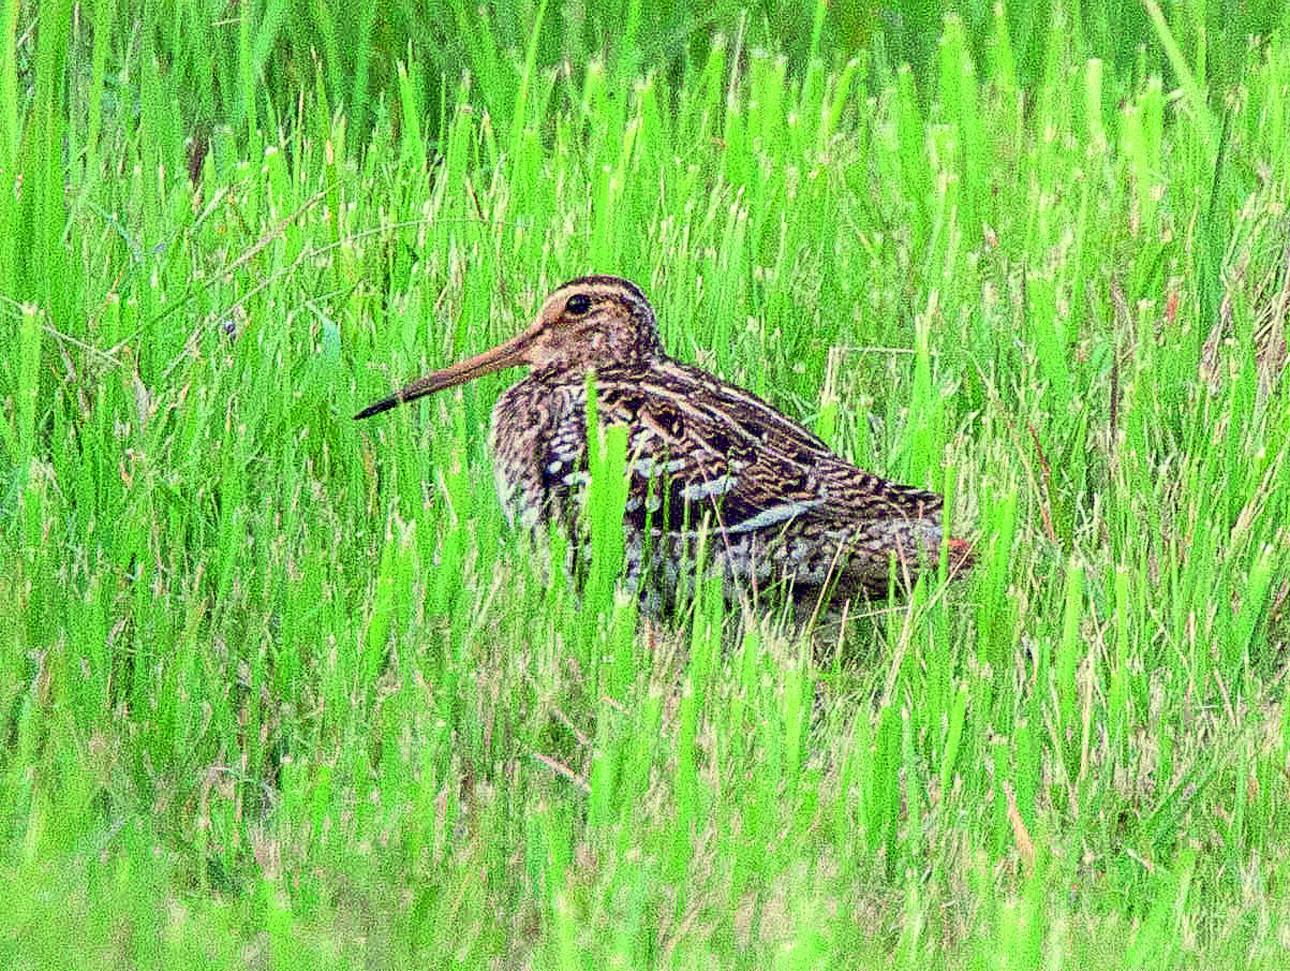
column 777, row 504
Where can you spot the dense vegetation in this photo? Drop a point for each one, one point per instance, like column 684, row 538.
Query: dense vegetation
column 279, row 689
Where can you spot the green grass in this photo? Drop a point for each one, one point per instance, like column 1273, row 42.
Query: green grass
column 281, row 689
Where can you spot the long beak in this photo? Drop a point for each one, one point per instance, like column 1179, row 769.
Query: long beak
column 513, row 352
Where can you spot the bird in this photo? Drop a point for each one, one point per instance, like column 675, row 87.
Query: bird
column 778, row 508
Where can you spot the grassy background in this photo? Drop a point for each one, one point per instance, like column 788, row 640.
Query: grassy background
column 278, row 689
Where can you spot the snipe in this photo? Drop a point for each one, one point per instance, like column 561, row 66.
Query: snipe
column 777, row 504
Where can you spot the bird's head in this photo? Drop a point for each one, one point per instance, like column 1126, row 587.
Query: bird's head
column 589, row 323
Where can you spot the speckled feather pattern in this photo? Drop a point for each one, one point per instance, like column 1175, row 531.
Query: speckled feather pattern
column 776, row 504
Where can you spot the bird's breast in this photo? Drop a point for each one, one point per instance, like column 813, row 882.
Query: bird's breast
column 539, row 444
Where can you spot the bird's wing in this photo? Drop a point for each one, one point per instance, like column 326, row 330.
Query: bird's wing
column 698, row 446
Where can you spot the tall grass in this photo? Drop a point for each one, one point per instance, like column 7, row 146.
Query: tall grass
column 279, row 688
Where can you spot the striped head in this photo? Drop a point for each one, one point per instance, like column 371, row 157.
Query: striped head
column 588, row 323
column 591, row 322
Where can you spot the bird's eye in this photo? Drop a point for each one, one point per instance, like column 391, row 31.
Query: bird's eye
column 578, row 304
